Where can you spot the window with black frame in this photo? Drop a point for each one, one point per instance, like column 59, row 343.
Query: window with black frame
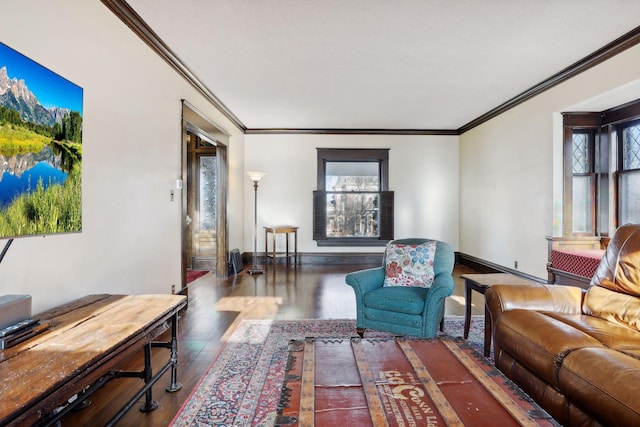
column 352, row 205
column 629, row 174
column 583, row 182
column 600, row 193
column 582, row 170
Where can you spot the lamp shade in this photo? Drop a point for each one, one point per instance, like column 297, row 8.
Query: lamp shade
column 256, row 176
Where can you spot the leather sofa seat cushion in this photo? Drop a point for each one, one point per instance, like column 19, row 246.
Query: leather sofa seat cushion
column 538, row 341
column 408, row 300
column 612, row 335
column 604, row 382
column 613, row 306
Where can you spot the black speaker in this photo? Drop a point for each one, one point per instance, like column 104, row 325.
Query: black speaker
column 236, row 261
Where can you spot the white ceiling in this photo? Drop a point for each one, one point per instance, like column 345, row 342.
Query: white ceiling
column 379, row 64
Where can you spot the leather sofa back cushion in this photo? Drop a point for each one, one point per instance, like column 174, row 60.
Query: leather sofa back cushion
column 619, row 268
column 614, row 293
column 613, row 306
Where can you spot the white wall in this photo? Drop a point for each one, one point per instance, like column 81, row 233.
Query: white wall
column 488, row 192
column 423, row 173
column 130, row 242
column 508, row 181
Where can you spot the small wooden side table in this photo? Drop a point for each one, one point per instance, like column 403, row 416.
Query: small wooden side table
column 279, row 229
column 480, row 283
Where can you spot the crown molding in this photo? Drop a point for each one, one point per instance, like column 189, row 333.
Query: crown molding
column 340, row 131
column 129, row 16
column 610, row 50
column 123, row 11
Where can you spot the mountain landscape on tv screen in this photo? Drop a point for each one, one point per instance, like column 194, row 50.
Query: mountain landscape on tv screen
column 40, row 151
column 15, row 95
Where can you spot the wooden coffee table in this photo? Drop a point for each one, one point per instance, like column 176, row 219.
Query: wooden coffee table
column 480, row 283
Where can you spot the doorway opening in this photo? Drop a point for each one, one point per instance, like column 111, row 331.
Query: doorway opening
column 204, row 195
column 202, row 180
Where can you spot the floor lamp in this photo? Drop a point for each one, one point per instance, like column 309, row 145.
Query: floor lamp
column 255, row 177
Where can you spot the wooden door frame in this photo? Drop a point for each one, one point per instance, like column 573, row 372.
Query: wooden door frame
column 195, row 122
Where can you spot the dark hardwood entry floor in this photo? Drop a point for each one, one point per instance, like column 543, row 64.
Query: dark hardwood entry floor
column 215, row 306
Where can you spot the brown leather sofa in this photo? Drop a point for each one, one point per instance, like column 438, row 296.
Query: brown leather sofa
column 575, row 351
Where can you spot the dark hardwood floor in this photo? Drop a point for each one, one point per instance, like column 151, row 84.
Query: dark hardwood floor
column 215, row 306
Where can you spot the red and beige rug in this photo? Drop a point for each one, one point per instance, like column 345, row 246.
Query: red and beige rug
column 242, row 386
column 399, row 382
column 193, row 275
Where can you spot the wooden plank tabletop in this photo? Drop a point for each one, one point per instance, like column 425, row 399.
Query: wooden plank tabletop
column 87, row 338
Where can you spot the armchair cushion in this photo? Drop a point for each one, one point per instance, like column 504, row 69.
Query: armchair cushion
column 409, row 300
column 409, row 265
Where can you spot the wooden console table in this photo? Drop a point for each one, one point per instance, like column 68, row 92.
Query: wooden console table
column 286, row 229
column 88, row 339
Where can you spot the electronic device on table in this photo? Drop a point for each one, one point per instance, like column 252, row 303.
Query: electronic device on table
column 16, row 324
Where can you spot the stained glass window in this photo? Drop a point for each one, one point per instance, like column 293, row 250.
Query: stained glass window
column 629, row 183
column 583, row 181
column 208, row 193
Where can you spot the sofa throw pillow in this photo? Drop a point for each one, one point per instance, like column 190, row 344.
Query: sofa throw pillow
column 409, row 265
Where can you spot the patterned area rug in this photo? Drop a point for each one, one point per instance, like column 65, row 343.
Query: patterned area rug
column 242, row 386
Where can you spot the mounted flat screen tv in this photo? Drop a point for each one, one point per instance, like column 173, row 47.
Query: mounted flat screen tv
column 40, row 149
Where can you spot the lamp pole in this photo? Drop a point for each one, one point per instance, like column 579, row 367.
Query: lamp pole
column 255, row 177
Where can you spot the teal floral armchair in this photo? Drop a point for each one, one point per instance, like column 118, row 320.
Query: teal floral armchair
column 391, row 306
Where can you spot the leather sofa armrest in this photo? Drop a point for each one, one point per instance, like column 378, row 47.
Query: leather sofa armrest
column 552, row 298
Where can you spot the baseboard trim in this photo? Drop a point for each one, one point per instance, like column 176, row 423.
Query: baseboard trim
column 375, row 258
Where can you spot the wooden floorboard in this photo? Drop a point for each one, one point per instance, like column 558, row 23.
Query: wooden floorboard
column 215, row 306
